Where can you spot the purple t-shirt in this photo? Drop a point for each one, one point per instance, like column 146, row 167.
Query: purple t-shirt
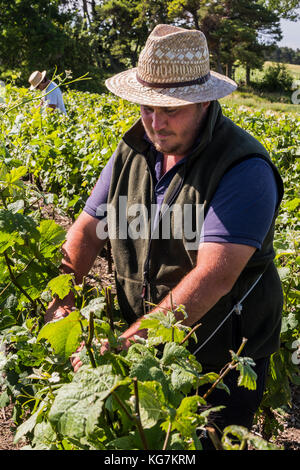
column 241, row 210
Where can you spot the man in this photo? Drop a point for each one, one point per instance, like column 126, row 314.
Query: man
column 52, row 95
column 183, row 152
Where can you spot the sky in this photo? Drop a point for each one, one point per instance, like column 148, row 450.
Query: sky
column 291, row 34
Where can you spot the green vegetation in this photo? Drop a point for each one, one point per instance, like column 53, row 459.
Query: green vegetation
column 146, row 398
column 284, row 55
column 105, row 37
column 143, row 398
column 256, row 97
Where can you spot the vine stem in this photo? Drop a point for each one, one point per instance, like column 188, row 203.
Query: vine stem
column 229, row 367
column 190, row 333
column 167, row 436
column 109, row 307
column 214, row 437
column 172, row 310
column 124, row 408
column 137, row 414
column 132, row 418
column 14, row 281
column 16, row 277
column 90, row 339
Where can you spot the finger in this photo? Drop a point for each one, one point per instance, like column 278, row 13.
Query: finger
column 77, row 367
column 76, row 363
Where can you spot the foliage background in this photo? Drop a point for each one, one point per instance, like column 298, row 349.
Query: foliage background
column 105, row 36
column 51, row 161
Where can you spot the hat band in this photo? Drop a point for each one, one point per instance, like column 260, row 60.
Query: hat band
column 197, row 81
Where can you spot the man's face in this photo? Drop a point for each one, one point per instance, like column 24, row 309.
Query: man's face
column 173, row 130
column 42, row 86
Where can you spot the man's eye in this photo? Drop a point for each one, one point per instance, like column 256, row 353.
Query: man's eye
column 171, row 111
column 147, row 110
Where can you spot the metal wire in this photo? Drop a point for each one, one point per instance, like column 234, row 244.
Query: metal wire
column 237, row 309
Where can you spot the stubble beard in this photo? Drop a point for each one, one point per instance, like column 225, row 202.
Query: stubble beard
column 177, row 148
column 174, row 150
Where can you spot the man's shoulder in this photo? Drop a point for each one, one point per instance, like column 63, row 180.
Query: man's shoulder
column 53, row 87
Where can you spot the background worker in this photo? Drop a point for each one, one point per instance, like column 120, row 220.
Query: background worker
column 52, row 95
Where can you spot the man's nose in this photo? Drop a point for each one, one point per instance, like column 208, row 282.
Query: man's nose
column 159, row 120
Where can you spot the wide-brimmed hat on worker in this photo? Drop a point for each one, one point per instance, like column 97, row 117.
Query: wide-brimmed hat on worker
column 173, row 70
column 36, row 78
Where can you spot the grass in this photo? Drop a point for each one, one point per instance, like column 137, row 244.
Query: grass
column 249, row 97
column 253, row 99
column 293, row 68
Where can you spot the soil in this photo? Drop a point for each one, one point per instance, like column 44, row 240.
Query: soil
column 101, row 275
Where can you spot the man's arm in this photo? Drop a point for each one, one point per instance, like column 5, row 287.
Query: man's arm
column 80, row 251
column 218, row 267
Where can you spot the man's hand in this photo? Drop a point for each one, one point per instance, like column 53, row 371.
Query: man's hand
column 75, row 359
column 104, row 347
column 58, row 308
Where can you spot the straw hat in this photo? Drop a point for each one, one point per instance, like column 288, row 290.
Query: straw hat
column 173, row 70
column 36, row 78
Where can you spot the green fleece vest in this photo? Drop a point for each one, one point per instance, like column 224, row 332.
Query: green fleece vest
column 148, row 268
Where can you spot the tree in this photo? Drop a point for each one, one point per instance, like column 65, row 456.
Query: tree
column 51, row 35
column 124, row 26
column 31, row 34
column 287, row 9
column 284, row 54
column 233, row 28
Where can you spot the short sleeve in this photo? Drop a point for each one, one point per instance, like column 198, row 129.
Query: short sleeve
column 243, row 206
column 97, row 201
column 52, row 97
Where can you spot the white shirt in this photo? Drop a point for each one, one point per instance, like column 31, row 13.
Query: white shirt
column 55, row 97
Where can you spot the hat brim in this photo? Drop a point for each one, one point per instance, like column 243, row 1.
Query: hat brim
column 126, row 86
column 42, row 78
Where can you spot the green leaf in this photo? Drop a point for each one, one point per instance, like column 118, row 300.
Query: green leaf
column 95, row 306
column 52, row 236
column 15, row 174
column 132, row 441
column 163, row 328
column 16, row 206
column 4, row 399
column 125, row 442
column 182, row 379
column 283, row 273
column 187, row 417
column 234, row 436
column 29, row 424
column 151, row 401
column 44, row 436
column 63, row 335
column 61, row 285
column 141, row 367
column 8, row 240
column 248, row 376
column 16, row 223
column 176, row 442
column 173, row 352
column 211, row 377
column 148, row 369
column 293, row 204
column 75, row 402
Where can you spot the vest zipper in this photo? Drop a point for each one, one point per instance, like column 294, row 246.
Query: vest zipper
column 146, row 284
